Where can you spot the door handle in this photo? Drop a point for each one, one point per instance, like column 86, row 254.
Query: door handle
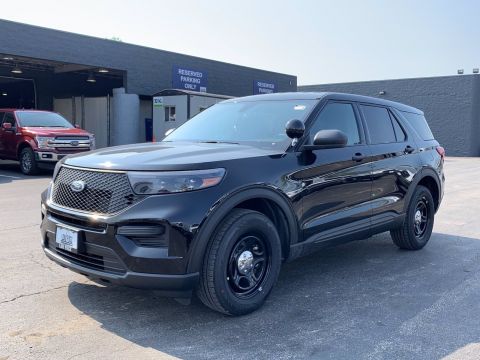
column 409, row 149
column 358, row 157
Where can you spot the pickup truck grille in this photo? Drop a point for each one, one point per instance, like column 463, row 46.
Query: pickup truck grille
column 105, row 193
column 71, row 143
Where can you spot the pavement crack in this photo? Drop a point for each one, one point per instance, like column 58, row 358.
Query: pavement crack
column 39, row 292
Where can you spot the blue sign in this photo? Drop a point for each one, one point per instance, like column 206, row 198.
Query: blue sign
column 263, row 87
column 189, row 79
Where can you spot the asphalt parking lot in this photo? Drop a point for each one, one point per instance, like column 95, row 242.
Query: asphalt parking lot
column 364, row 300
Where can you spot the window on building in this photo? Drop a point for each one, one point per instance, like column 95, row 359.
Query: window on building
column 337, row 116
column 170, row 113
column 379, row 124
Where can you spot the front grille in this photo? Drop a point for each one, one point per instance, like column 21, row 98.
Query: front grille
column 70, row 138
column 105, row 193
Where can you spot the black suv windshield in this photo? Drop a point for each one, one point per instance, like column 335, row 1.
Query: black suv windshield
column 42, row 119
column 257, row 123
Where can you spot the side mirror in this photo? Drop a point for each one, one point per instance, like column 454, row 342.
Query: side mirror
column 328, row 139
column 169, row 131
column 7, row 126
column 295, row 128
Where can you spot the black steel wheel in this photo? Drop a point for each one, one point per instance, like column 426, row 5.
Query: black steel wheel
column 249, row 263
column 241, row 264
column 417, row 227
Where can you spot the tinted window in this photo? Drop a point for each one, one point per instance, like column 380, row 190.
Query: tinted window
column 419, row 123
column 379, row 124
column 257, row 123
column 9, row 119
column 337, row 116
column 1, row 117
column 399, row 133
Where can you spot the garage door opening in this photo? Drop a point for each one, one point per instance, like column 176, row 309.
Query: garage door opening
column 17, row 93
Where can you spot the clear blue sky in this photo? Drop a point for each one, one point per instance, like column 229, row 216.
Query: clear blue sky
column 319, row 41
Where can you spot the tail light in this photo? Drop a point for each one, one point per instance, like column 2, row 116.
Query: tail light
column 441, row 151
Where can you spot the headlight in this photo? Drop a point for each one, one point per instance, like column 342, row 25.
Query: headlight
column 92, row 142
column 44, row 141
column 166, row 182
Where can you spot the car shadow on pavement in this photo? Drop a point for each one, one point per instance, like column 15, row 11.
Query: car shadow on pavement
column 10, row 171
column 365, row 299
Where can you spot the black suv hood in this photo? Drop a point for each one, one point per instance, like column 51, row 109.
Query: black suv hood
column 166, row 156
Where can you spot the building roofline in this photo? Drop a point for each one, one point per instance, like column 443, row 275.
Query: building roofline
column 126, row 44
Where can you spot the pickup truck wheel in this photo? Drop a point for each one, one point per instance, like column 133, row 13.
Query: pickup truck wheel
column 241, row 264
column 28, row 164
column 418, row 224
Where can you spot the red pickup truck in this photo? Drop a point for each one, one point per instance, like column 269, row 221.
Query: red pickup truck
column 39, row 138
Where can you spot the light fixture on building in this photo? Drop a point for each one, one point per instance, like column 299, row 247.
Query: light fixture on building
column 103, row 70
column 16, row 70
column 91, row 78
column 4, row 94
column 7, row 58
column 476, row 70
column 382, row 92
column 460, row 71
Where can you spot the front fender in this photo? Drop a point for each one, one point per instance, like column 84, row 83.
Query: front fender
column 224, row 205
column 26, row 140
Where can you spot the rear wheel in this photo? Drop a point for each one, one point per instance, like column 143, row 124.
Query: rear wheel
column 418, row 224
column 28, row 164
column 241, row 264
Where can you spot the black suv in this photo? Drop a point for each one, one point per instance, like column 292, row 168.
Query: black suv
column 221, row 202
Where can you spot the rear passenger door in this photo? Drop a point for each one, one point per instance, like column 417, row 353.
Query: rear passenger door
column 8, row 138
column 394, row 157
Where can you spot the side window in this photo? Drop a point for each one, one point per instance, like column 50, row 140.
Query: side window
column 399, row 133
column 419, row 123
column 379, row 124
column 337, row 116
column 9, row 119
column 1, row 117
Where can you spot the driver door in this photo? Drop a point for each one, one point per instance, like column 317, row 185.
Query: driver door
column 338, row 183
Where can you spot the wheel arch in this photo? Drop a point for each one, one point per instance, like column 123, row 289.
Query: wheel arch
column 429, row 179
column 265, row 199
column 22, row 145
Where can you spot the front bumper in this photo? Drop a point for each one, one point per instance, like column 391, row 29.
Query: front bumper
column 52, row 156
column 104, row 255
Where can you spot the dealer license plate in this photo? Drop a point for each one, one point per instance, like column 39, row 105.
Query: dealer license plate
column 66, row 239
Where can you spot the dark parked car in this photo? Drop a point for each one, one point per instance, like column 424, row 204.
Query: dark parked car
column 221, row 202
column 39, row 138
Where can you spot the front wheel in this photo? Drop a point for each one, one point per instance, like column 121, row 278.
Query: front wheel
column 28, row 164
column 418, row 225
column 241, row 264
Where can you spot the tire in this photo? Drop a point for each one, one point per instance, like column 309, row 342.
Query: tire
column 28, row 164
column 416, row 231
column 234, row 280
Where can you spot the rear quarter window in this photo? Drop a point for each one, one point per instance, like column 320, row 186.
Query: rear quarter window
column 419, row 123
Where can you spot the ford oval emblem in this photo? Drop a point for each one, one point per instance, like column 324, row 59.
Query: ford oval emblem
column 74, row 143
column 77, row 186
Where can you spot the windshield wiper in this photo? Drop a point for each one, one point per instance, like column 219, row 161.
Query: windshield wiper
column 217, row 142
